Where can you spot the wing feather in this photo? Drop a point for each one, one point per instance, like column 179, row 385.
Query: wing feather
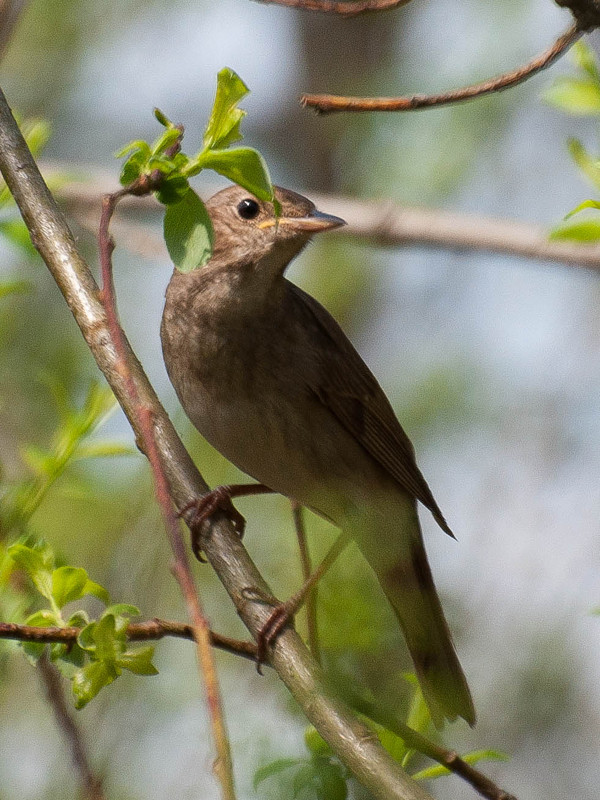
column 350, row 391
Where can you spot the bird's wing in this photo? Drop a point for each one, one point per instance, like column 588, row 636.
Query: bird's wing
column 350, row 391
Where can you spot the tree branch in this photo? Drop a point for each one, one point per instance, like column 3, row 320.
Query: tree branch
column 327, row 103
column 349, row 738
column 158, row 629
column 381, row 221
column 91, row 785
column 136, row 632
column 343, row 9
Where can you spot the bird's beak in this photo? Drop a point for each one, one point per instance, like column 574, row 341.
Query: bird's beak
column 313, row 223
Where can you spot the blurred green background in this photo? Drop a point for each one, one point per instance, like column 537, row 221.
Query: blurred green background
column 491, row 364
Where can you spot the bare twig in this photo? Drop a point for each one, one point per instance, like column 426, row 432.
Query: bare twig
column 327, row 104
column 136, row 632
column 181, row 568
column 91, row 785
column 311, row 598
column 382, row 221
column 349, row 738
column 343, row 9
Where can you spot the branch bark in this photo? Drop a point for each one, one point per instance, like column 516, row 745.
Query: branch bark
column 342, row 9
column 383, row 222
column 350, row 739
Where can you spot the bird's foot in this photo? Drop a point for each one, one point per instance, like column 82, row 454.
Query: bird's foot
column 203, row 508
column 282, row 614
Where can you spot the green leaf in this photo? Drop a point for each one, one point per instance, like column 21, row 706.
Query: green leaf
column 139, row 661
column 580, row 96
column 14, row 287
column 243, row 166
column 303, row 778
column 89, row 680
column 37, row 562
column 330, row 782
column 168, row 138
column 39, row 461
column 133, row 168
column 68, row 584
column 188, row 233
column 585, row 58
column 72, row 583
column 121, row 610
column 587, row 231
column 95, row 589
column 315, row 742
column 224, row 124
column 471, row 758
column 44, row 619
column 589, row 165
column 582, row 206
column 162, row 118
column 103, row 449
column 173, row 190
column 137, row 145
column 79, row 619
column 16, row 232
column 274, row 768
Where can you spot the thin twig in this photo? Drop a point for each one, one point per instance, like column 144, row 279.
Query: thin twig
column 343, row 9
column 311, row 599
column 136, row 632
column 327, row 103
column 223, row 766
column 91, row 784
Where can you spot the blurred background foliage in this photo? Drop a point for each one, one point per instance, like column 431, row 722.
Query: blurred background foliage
column 490, row 362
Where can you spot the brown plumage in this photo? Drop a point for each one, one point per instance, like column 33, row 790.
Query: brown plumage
column 270, row 379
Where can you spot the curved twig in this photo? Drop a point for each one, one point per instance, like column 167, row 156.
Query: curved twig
column 327, row 103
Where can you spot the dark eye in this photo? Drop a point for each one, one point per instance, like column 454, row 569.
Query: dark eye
column 248, row 208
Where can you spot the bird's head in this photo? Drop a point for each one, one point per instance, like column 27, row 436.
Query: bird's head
column 247, row 231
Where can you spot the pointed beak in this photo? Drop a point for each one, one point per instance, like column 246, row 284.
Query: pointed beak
column 313, row 223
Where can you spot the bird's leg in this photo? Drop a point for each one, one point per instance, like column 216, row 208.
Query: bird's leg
column 283, row 612
column 219, row 499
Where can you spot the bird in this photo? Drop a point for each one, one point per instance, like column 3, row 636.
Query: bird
column 269, row 379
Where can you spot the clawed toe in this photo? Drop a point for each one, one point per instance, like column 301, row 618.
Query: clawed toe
column 281, row 615
column 218, row 500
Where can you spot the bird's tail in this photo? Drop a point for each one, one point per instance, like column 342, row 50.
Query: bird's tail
column 400, row 563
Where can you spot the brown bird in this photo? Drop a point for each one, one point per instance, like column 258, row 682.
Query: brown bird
column 271, row 381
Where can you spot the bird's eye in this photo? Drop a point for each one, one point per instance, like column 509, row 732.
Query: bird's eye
column 248, row 208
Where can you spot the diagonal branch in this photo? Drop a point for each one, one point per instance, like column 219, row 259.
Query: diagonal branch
column 343, row 9
column 350, row 739
column 91, row 785
column 328, row 103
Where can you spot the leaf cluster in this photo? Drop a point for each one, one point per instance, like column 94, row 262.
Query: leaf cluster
column 187, row 227
column 102, row 651
column 579, row 95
